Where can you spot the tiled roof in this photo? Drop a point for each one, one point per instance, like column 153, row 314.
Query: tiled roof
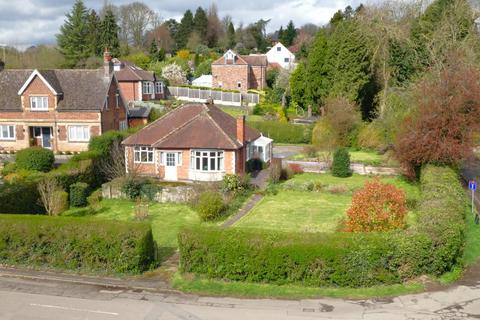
column 81, row 90
column 139, row 112
column 256, row 60
column 192, row 126
column 131, row 72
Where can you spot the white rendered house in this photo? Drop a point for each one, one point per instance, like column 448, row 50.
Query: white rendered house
column 281, row 55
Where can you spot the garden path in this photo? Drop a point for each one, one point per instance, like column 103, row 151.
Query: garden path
column 260, row 180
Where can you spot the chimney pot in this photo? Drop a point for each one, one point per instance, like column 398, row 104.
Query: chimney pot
column 107, row 63
column 241, row 129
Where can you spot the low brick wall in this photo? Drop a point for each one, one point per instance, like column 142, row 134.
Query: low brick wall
column 176, row 194
column 358, row 168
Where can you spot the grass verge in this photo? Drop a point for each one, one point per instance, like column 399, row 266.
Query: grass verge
column 198, row 285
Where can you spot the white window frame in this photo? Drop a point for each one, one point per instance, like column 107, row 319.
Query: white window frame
column 147, row 87
column 34, row 103
column 74, row 136
column 10, row 130
column 218, row 158
column 140, row 151
column 286, row 60
column 158, row 87
column 117, row 102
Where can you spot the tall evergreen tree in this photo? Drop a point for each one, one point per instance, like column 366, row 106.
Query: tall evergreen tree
column 72, row 39
column 231, row 36
column 109, row 33
column 290, row 34
column 281, row 34
column 200, row 24
column 93, row 34
column 184, row 30
column 153, row 51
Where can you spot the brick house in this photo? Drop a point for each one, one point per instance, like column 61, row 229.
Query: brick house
column 137, row 84
column 195, row 142
column 59, row 109
column 240, row 72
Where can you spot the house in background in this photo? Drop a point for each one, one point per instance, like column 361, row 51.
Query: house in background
column 138, row 116
column 59, row 109
column 195, row 142
column 137, row 84
column 204, row 80
column 280, row 55
column 240, row 72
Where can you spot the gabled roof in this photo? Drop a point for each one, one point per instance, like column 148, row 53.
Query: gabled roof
column 79, row 90
column 131, row 72
column 139, row 112
column 252, row 60
column 192, row 126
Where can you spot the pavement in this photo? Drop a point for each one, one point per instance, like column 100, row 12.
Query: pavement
column 25, row 298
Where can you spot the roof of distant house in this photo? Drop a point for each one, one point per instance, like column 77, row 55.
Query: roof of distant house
column 79, row 90
column 253, row 60
column 139, row 112
column 192, row 126
column 131, row 72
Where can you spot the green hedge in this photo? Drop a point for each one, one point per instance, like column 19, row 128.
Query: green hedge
column 339, row 259
column 78, row 194
column 283, row 132
column 20, row 198
column 35, row 158
column 76, row 244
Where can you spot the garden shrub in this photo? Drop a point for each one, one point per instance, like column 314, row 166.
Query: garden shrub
column 76, row 244
column 376, row 207
column 78, row 194
column 341, row 163
column 95, row 198
column 132, row 187
column 283, row 132
column 21, row 197
column 235, row 183
column 148, row 191
column 61, row 198
column 35, row 158
column 102, row 144
column 9, row 168
column 338, row 259
column 372, row 137
column 254, row 164
column 210, row 205
column 295, row 168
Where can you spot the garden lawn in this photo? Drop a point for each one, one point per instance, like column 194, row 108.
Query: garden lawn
column 166, row 218
column 238, row 111
column 370, row 158
column 294, row 209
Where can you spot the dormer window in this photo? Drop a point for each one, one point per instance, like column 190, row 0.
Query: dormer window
column 39, row 103
column 279, row 48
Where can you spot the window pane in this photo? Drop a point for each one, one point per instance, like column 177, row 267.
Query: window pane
column 137, row 156
column 11, row 132
column 144, row 156
column 197, row 163
column 212, row 164
column 205, row 164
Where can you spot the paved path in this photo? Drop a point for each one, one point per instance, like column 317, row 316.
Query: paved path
column 37, row 299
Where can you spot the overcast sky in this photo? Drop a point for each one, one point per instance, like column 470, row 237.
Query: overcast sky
column 32, row 22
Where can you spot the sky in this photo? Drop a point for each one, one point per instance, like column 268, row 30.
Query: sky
column 32, row 22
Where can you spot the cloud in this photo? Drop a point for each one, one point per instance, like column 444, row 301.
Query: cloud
column 33, row 22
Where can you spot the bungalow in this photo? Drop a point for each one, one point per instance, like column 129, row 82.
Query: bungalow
column 281, row 56
column 195, row 142
column 59, row 109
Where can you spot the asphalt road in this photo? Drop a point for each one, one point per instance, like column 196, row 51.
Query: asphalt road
column 36, row 299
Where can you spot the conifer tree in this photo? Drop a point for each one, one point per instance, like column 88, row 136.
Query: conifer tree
column 231, row 36
column 93, row 35
column 72, row 39
column 290, row 34
column 184, row 30
column 200, row 23
column 109, row 33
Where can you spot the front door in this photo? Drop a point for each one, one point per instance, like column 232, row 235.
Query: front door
column 46, row 136
column 171, row 166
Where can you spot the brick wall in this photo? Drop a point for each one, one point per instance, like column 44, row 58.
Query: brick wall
column 112, row 116
column 257, row 79
column 229, row 76
column 129, row 90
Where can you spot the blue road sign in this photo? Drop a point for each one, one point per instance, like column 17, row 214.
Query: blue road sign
column 472, row 185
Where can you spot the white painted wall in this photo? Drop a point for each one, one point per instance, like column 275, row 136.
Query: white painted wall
column 278, row 54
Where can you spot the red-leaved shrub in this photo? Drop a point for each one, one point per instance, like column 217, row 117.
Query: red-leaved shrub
column 295, row 168
column 376, row 207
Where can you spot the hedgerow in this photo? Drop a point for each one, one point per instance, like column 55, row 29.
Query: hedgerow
column 76, row 244
column 340, row 259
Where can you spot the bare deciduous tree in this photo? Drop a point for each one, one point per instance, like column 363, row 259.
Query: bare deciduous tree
column 49, row 191
column 136, row 19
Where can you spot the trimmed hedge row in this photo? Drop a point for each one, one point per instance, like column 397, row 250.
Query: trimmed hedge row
column 284, row 132
column 76, row 244
column 341, row 259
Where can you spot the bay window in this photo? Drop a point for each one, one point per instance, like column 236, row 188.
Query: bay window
column 143, row 155
column 158, row 87
column 207, row 160
column 7, row 132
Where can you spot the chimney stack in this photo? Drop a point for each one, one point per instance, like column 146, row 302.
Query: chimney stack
column 241, row 129
column 107, row 63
